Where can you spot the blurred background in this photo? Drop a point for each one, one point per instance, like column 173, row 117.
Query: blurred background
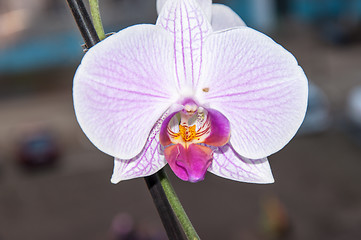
column 55, row 185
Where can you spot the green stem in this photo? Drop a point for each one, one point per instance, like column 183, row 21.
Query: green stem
column 97, row 21
column 177, row 207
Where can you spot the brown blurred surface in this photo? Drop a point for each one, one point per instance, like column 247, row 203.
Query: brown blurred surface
column 318, row 180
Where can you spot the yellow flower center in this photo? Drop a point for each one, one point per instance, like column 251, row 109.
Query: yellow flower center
column 187, row 133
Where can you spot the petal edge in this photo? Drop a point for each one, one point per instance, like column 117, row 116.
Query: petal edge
column 228, row 164
column 148, row 162
column 223, row 17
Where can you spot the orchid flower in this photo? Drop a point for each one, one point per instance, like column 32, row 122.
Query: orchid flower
column 198, row 90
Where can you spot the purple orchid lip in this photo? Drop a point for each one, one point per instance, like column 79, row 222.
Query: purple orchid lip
column 189, row 164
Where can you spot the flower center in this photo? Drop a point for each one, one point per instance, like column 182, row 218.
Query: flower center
column 187, row 133
column 188, row 127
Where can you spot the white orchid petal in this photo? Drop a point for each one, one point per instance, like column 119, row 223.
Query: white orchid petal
column 224, row 17
column 122, row 87
column 204, row 4
column 188, row 25
column 160, row 4
column 258, row 86
column 228, row 164
column 148, row 162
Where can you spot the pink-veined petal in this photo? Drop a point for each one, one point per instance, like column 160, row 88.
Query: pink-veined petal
column 189, row 164
column 122, row 87
column 228, row 164
column 148, row 162
column 188, row 25
column 258, row 86
column 206, row 6
column 224, row 17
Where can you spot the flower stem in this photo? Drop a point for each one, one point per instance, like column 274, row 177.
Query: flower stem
column 169, row 219
column 97, row 21
column 177, row 207
column 84, row 23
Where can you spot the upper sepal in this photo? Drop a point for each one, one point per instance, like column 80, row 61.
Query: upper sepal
column 205, row 5
column 188, row 25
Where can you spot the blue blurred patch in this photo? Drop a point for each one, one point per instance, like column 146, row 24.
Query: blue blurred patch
column 37, row 53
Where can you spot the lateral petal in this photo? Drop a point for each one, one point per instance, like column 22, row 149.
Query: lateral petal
column 228, row 164
column 188, row 25
column 122, row 87
column 258, row 86
column 223, row 17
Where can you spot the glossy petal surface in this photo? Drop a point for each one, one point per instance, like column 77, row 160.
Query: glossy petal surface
column 189, row 164
column 186, row 22
column 148, row 162
column 228, row 164
column 224, row 17
column 123, row 86
column 258, row 86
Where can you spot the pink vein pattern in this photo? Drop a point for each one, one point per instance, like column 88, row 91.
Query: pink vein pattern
column 146, row 163
column 206, row 6
column 258, row 86
column 228, row 164
column 122, row 88
column 188, row 24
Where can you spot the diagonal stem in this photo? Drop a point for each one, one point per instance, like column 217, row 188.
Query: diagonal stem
column 177, row 207
column 163, row 206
